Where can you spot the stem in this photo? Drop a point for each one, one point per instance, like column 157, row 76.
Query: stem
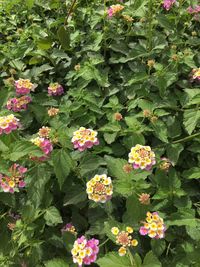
column 70, row 11
column 104, row 242
column 131, row 258
column 150, row 28
column 186, row 138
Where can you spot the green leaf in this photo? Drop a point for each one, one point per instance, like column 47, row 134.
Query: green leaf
column 173, row 152
column 62, row 163
column 109, row 138
column 112, row 259
column 193, row 173
column 191, row 118
column 135, row 211
column 64, row 37
column 150, row 260
column 158, row 246
column 74, row 195
column 24, row 148
column 30, row 3
column 56, row 262
column 68, row 239
column 52, row 216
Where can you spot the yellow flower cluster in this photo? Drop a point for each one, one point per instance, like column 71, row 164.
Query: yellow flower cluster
column 142, row 157
column 84, row 138
column 154, row 226
column 124, row 239
column 117, row 8
column 100, row 188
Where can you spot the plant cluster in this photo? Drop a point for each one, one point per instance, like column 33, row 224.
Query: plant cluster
column 99, row 133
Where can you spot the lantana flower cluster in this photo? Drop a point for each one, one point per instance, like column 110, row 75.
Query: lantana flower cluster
column 55, row 89
column 196, row 74
column 154, row 226
column 85, row 251
column 194, row 10
column 14, row 181
column 69, row 227
column 99, row 188
column 18, row 104
column 24, row 86
column 45, row 145
column 124, row 239
column 168, row 4
column 8, row 124
column 114, row 9
column 142, row 157
column 84, row 138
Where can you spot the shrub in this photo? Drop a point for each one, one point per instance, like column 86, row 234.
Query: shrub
column 103, row 97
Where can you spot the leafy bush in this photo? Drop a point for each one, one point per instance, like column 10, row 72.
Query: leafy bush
column 131, row 74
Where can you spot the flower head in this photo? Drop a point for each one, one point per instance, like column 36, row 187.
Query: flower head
column 18, row 104
column 168, row 4
column 142, row 157
column 127, row 168
column 194, row 10
column 69, row 227
column 84, row 138
column 45, row 145
column 124, row 239
column 151, row 63
column 144, row 199
column 53, row 112
column 128, row 18
column 118, row 116
column 85, row 251
column 24, row 86
column 165, row 164
column 100, row 188
column 8, row 124
column 114, row 9
column 55, row 89
column 14, row 181
column 196, row 75
column 154, row 226
column 44, row 132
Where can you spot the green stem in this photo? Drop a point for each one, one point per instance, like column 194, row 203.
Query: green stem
column 69, row 12
column 186, row 138
column 104, row 242
column 150, row 28
column 133, row 264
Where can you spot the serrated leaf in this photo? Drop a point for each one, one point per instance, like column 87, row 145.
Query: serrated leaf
column 112, row 259
column 52, row 216
column 64, row 37
column 191, row 118
column 56, row 263
column 193, row 173
column 150, row 260
column 62, row 163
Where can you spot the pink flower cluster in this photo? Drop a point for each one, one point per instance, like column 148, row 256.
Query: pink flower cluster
column 18, row 104
column 84, row 138
column 45, row 145
column 15, row 180
column 168, row 4
column 154, row 226
column 194, row 10
column 8, row 124
column 85, row 251
column 24, row 86
column 55, row 89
